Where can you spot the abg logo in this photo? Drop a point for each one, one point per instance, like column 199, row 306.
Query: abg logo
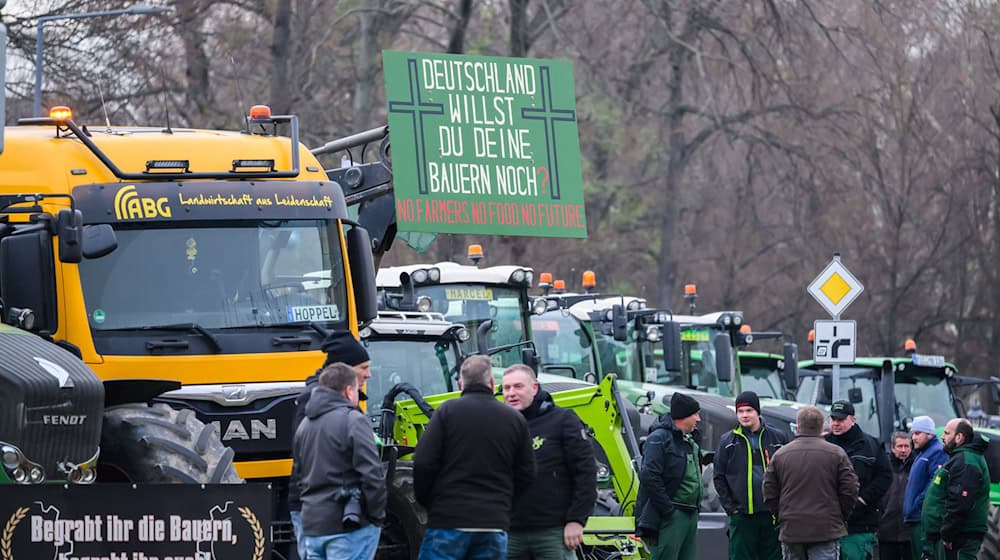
column 129, row 205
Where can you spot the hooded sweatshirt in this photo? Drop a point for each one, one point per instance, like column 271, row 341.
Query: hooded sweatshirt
column 565, row 487
column 670, row 476
column 335, row 449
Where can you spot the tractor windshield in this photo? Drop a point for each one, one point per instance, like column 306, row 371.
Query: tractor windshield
column 561, row 340
column 761, row 376
column 919, row 391
column 698, row 361
column 471, row 304
column 241, row 274
column 430, row 366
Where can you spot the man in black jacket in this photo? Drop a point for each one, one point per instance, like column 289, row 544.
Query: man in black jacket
column 472, row 462
column 893, row 534
column 340, row 470
column 341, row 346
column 871, row 465
column 666, row 509
column 548, row 519
column 740, row 463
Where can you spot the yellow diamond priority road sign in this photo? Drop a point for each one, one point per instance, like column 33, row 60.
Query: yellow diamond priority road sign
column 835, row 288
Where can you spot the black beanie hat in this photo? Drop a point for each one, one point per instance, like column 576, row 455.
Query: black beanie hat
column 682, row 406
column 748, row 398
column 343, row 347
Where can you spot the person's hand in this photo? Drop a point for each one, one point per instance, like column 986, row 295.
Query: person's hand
column 573, row 535
column 947, row 544
column 862, row 500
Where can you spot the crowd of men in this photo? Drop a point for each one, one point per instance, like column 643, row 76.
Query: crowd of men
column 517, row 479
column 514, row 480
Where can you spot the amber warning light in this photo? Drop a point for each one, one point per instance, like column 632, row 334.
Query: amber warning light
column 60, row 113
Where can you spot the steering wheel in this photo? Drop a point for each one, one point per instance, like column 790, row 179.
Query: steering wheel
column 296, row 286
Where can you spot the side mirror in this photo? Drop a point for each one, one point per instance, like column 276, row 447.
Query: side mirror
column 590, row 377
column 994, row 387
column 69, row 230
column 359, row 254
column 791, row 372
column 28, row 279
column 483, row 336
column 854, row 395
column 98, row 241
column 723, row 357
column 530, row 358
column 671, row 346
column 619, row 323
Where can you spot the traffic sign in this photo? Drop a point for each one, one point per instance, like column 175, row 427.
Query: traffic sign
column 835, row 288
column 835, row 342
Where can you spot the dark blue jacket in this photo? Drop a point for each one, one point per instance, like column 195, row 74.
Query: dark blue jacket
column 665, row 465
column 925, row 464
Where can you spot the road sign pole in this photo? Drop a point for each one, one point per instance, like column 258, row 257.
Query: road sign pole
column 835, row 375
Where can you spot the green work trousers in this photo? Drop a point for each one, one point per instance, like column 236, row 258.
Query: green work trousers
column 967, row 551
column 538, row 544
column 678, row 538
column 857, row 546
column 753, row 537
column 917, row 538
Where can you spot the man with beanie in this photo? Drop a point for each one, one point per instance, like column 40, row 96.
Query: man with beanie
column 666, row 509
column 341, row 346
column 740, row 462
column 341, row 472
column 930, row 456
column 871, row 465
column 812, row 488
column 549, row 517
column 471, row 465
column 957, row 504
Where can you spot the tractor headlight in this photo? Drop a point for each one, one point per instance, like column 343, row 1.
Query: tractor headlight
column 539, row 306
column 462, row 334
column 424, row 304
column 727, row 320
column 434, row 274
column 737, row 319
column 419, row 276
column 653, row 333
column 11, row 458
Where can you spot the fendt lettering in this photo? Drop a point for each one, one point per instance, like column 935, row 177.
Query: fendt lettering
column 68, row 420
column 129, row 205
column 258, row 430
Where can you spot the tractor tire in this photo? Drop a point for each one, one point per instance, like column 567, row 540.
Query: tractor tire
column 141, row 443
column 991, row 541
column 405, row 519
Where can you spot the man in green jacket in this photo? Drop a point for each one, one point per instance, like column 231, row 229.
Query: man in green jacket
column 957, row 503
column 666, row 509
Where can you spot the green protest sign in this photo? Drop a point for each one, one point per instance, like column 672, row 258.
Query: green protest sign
column 484, row 145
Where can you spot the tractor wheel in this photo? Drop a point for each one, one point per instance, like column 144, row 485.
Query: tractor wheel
column 141, row 443
column 405, row 519
column 991, row 542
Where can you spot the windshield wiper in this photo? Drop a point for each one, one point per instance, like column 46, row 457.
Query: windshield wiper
column 188, row 327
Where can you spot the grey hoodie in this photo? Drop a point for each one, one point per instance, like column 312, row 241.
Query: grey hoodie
column 335, row 448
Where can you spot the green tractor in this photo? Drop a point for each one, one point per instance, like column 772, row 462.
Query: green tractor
column 416, row 358
column 916, row 385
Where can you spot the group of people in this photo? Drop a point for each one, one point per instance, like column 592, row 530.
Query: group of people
column 517, row 479
column 820, row 496
column 514, row 480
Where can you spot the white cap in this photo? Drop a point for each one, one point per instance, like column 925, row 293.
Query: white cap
column 923, row 424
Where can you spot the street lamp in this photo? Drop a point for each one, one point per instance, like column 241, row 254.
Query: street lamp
column 137, row 10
